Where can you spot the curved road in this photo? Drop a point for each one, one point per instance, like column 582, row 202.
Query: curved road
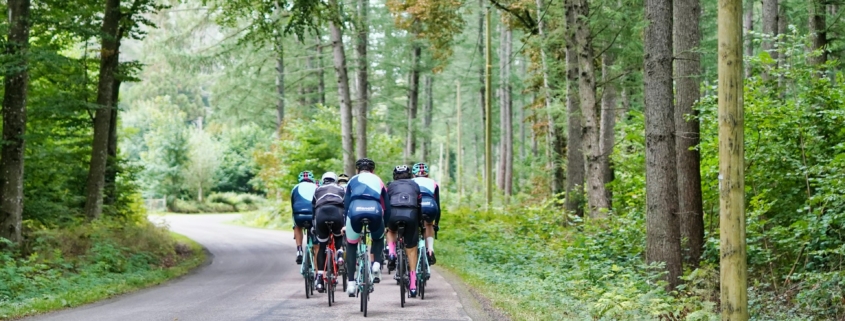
column 253, row 276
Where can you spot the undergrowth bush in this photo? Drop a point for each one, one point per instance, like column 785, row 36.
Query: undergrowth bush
column 84, row 262
column 218, row 203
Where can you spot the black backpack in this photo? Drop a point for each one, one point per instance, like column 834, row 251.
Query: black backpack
column 404, row 193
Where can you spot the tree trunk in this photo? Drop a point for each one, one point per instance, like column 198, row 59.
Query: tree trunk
column 596, row 193
column 102, row 117
column 427, row 115
column 321, row 86
column 608, row 124
column 508, row 126
column 280, row 83
column 553, row 158
column 818, row 30
column 111, row 161
column 748, row 25
column 481, row 54
column 575, row 170
column 343, row 93
column 500, row 95
column 687, row 37
column 662, row 229
column 521, row 116
column 733, row 261
column 413, row 103
column 363, row 83
column 14, row 121
column 770, row 29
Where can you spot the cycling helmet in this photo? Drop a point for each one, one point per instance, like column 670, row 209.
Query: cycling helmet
column 329, row 177
column 401, row 169
column 420, row 169
column 343, row 178
column 365, row 164
column 306, row 176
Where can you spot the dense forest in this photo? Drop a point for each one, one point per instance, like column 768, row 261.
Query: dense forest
column 604, row 139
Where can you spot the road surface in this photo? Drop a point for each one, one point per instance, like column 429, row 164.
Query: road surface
column 253, row 276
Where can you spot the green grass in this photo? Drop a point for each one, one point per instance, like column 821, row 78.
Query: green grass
column 266, row 218
column 88, row 282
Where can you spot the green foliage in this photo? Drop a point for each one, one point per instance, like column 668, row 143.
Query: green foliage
column 71, row 266
column 167, row 149
column 218, row 203
column 537, row 266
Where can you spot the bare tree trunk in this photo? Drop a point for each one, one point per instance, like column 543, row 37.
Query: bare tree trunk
column 596, row 194
column 575, row 170
column 321, row 86
column 280, row 83
column 687, row 37
column 343, row 93
column 818, row 29
column 608, row 123
column 481, row 54
column 748, row 25
column 363, row 83
column 428, row 112
column 500, row 95
column 552, row 159
column 111, row 161
column 521, row 116
column 770, row 29
column 14, row 120
column 662, row 230
column 413, row 103
column 508, row 126
column 102, row 117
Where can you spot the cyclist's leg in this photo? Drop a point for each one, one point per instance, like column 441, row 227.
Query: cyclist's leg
column 352, row 237
column 298, row 224
column 411, row 236
column 429, row 218
column 323, row 233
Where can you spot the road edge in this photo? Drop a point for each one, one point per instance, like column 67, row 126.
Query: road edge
column 475, row 304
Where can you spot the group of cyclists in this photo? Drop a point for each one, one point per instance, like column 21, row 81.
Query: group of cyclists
column 411, row 200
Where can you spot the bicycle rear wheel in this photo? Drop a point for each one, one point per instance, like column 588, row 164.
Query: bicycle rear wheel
column 402, row 269
column 309, row 278
column 365, row 292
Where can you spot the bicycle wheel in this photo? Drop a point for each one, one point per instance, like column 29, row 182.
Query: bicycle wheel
column 306, row 266
column 365, row 292
column 401, row 271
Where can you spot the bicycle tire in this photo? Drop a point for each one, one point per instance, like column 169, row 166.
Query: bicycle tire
column 402, row 268
column 365, row 293
column 307, row 268
column 327, row 278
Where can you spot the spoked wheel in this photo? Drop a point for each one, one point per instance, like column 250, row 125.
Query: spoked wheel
column 421, row 288
column 402, row 284
column 365, row 292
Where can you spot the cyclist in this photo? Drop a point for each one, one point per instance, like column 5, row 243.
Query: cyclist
column 342, row 180
column 405, row 200
column 365, row 198
column 303, row 212
column 328, row 207
column 430, row 206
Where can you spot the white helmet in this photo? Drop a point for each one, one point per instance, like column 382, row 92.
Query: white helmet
column 329, row 175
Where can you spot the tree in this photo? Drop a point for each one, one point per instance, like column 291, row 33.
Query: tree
column 608, row 122
column 770, row 26
column 732, row 263
column 686, row 40
column 14, row 121
column 818, row 30
column 413, row 102
column 102, row 117
column 342, row 89
column 428, row 112
column 203, row 162
column 575, row 170
column 363, row 83
column 662, row 229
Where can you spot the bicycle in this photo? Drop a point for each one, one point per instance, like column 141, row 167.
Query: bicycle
column 307, row 269
column 423, row 268
column 363, row 260
column 329, row 278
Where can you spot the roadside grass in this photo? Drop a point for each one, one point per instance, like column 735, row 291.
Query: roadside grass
column 79, row 265
column 533, row 265
column 277, row 217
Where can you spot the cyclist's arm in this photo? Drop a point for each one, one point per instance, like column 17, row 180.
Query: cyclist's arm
column 385, row 201
column 293, row 197
column 346, row 199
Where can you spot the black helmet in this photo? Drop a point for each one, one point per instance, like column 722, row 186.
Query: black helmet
column 401, row 169
column 365, row 164
column 342, row 178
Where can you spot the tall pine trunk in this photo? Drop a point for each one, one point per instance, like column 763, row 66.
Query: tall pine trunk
column 102, row 117
column 596, row 194
column 608, row 123
column 428, row 112
column 342, row 92
column 553, row 159
column 111, row 161
column 321, row 78
column 748, row 25
column 481, row 96
column 507, row 93
column 14, row 120
column 363, row 83
column 575, row 170
column 770, row 29
column 413, row 103
column 280, row 83
column 662, row 230
column 818, row 30
column 687, row 37
column 500, row 94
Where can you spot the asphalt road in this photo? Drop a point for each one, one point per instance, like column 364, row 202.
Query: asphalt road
column 253, row 276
